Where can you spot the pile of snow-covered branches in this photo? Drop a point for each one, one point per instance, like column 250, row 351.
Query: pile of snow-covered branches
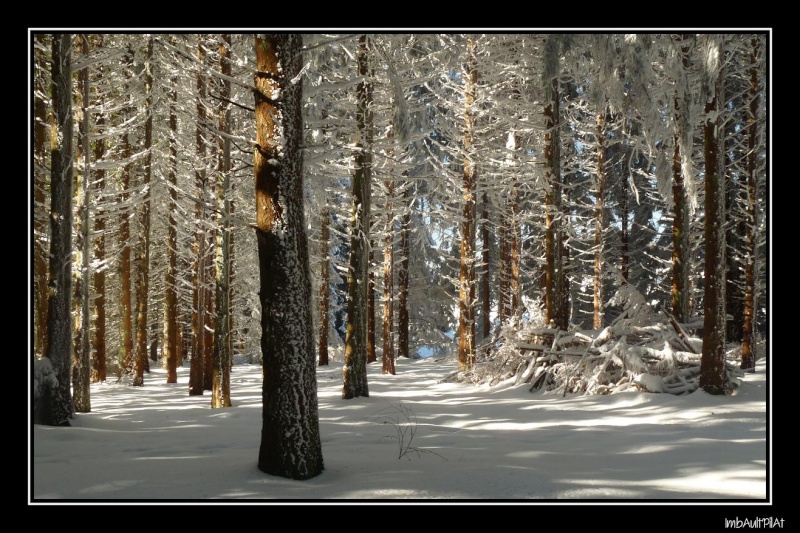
column 644, row 349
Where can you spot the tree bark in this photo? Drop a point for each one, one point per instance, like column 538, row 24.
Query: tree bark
column 290, row 439
column 172, row 352
column 466, row 291
column 221, row 372
column 99, row 301
column 713, row 375
column 486, row 302
column 143, row 278
column 197, row 369
column 39, row 186
column 402, row 277
column 751, row 243
column 58, row 408
column 388, row 284
column 324, row 288
column 599, row 224
column 125, row 300
column 81, row 363
column 355, row 352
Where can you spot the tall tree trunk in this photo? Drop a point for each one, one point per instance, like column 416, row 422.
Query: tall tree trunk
column 99, row 301
column 197, row 377
column 371, row 357
column 39, row 186
column 354, row 372
column 751, row 251
column 388, row 282
column 290, row 439
column 514, row 250
column 552, row 209
column 599, row 223
column 143, row 278
column 486, row 302
column 713, row 375
column 324, row 288
column 57, row 405
column 172, row 352
column 680, row 219
column 466, row 292
column 221, row 372
column 81, row 363
column 125, row 305
column 402, row 277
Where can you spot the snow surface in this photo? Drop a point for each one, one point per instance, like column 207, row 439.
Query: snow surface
column 500, row 445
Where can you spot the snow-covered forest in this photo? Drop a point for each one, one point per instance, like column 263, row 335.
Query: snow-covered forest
column 582, row 213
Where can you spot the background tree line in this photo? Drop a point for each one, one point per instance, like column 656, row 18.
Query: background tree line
column 454, row 184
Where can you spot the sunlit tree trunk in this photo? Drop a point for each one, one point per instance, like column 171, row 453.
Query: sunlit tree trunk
column 713, row 375
column 57, row 406
column 388, row 278
column 221, row 372
column 748, row 337
column 552, row 209
column 81, row 363
column 40, row 185
column 290, row 440
column 355, row 352
column 466, row 291
column 172, row 352
column 324, row 287
column 143, row 278
column 599, row 223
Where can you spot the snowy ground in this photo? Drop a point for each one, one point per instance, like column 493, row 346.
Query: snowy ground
column 479, row 445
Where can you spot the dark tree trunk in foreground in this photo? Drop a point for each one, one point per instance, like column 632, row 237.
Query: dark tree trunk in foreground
column 290, row 439
column 713, row 375
column 354, row 372
column 57, row 405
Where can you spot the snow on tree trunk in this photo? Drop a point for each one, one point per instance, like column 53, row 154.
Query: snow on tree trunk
column 486, row 302
column 290, row 439
column 713, row 375
column 599, row 227
column 58, row 408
